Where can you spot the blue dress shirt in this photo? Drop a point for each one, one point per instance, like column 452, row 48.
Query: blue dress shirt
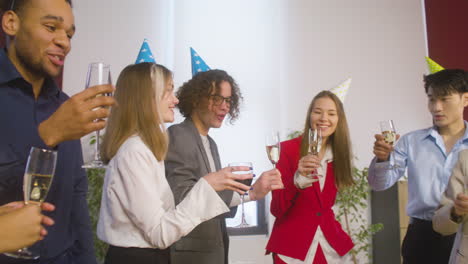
column 70, row 239
column 422, row 153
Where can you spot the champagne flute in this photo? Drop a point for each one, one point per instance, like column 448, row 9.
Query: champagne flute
column 247, row 182
column 98, row 74
column 272, row 144
column 389, row 133
column 315, row 144
column 40, row 170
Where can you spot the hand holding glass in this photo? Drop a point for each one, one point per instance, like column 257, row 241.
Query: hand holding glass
column 247, row 182
column 315, row 144
column 40, row 170
column 389, row 133
column 98, row 74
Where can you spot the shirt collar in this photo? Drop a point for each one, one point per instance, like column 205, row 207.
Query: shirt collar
column 432, row 132
column 10, row 73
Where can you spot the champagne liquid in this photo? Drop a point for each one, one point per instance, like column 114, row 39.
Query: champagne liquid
column 314, row 147
column 273, row 153
column 389, row 137
column 36, row 187
column 99, row 95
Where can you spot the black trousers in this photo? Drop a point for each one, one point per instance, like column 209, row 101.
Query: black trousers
column 424, row 245
column 120, row 255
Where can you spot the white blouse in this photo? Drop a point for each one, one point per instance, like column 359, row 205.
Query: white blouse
column 137, row 207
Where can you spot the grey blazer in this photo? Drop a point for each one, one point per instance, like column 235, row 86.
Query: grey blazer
column 186, row 163
column 442, row 222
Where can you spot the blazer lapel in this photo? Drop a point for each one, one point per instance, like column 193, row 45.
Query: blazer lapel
column 197, row 138
column 318, row 193
column 329, row 182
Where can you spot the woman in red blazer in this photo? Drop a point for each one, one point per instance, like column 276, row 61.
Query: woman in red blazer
column 305, row 229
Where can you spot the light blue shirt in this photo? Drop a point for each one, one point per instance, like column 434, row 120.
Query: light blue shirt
column 422, row 153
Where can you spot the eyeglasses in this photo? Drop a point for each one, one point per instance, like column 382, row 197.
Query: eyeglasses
column 218, row 99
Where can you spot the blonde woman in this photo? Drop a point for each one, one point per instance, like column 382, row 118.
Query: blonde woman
column 138, row 216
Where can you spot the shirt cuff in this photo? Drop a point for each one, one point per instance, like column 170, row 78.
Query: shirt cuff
column 302, row 182
column 213, row 203
column 382, row 164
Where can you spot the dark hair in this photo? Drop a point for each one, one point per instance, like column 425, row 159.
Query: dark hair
column 339, row 142
column 17, row 5
column 446, row 82
column 194, row 93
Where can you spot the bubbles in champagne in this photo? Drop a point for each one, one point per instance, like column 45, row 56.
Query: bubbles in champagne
column 389, row 137
column 314, row 147
column 37, row 187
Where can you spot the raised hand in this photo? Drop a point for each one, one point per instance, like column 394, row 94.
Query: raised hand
column 77, row 116
column 382, row 149
column 268, row 181
column 308, row 164
column 225, row 179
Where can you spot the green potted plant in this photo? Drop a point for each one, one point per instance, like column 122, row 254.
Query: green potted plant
column 95, row 182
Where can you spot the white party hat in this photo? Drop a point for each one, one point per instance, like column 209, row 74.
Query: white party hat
column 342, row 89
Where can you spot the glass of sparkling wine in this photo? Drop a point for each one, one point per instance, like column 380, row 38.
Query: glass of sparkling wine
column 272, row 144
column 389, row 133
column 40, row 170
column 247, row 182
column 98, row 74
column 315, row 144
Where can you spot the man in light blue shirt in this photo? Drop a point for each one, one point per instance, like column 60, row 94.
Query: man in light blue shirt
column 428, row 155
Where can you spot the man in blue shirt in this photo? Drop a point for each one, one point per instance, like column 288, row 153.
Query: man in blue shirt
column 428, row 155
column 34, row 112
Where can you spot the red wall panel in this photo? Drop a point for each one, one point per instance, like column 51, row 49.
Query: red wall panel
column 447, row 33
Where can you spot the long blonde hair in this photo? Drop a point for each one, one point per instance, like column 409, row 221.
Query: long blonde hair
column 339, row 141
column 138, row 93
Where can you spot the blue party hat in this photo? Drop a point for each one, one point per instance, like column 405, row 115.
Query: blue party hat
column 145, row 54
column 198, row 64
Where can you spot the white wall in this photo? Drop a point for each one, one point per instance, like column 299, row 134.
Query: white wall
column 281, row 53
column 112, row 32
column 380, row 44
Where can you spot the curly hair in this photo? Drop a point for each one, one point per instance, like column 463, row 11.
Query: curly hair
column 195, row 93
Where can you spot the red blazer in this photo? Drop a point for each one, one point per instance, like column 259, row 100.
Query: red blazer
column 299, row 212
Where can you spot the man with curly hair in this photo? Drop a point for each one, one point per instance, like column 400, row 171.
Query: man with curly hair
column 205, row 101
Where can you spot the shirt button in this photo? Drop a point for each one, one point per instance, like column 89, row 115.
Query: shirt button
column 318, row 214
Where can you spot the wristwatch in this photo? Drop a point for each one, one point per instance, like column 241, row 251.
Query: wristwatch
column 454, row 217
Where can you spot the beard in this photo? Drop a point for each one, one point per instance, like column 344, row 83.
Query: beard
column 34, row 67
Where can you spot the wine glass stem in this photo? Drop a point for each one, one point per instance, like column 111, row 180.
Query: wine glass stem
column 242, row 209
column 97, row 154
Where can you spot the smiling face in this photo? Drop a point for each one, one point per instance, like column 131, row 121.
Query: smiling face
column 324, row 116
column 41, row 34
column 215, row 112
column 446, row 110
column 168, row 102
